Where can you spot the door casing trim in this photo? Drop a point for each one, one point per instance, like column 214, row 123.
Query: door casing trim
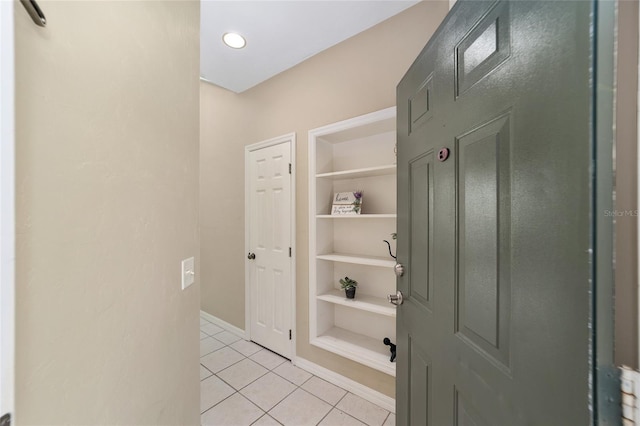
column 7, row 208
column 638, row 185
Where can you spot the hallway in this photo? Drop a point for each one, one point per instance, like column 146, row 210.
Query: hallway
column 244, row 384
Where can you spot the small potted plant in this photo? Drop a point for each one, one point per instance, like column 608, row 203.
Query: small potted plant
column 349, row 287
column 357, row 204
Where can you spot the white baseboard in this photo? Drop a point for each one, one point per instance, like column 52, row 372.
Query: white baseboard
column 347, row 384
column 220, row 323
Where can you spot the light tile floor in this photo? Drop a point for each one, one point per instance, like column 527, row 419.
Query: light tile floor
column 242, row 384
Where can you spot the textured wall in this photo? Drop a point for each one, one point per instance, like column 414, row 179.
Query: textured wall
column 352, row 78
column 107, row 206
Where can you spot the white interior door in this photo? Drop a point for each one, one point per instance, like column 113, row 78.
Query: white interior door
column 7, row 232
column 269, row 244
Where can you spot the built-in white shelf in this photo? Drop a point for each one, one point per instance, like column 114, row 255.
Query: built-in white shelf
column 358, row 260
column 354, row 154
column 363, row 302
column 360, row 173
column 363, row 349
column 357, row 216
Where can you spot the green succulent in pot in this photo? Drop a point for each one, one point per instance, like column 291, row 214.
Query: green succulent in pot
column 347, row 283
column 349, row 286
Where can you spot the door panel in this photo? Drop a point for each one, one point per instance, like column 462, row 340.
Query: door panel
column 420, row 386
column 262, row 292
column 270, row 239
column 280, row 286
column 465, row 415
column 421, row 214
column 495, row 239
column 419, row 106
column 483, row 48
column 483, row 278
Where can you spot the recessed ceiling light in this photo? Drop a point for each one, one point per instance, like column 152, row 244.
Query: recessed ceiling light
column 234, row 40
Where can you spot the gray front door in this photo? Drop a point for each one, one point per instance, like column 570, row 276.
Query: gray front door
column 494, row 205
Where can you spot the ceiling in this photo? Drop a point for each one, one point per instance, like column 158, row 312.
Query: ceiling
column 279, row 34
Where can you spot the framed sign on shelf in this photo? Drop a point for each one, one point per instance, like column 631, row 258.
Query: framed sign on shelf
column 345, row 203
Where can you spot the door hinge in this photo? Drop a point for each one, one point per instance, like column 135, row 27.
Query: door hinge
column 289, row 168
column 5, row 420
column 289, row 251
column 289, row 334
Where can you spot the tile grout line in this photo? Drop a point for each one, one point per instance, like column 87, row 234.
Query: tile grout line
column 228, row 384
column 266, row 414
column 283, row 378
column 335, row 407
column 205, row 367
column 241, row 395
column 286, row 380
column 283, row 398
column 343, row 412
column 230, row 365
column 238, row 391
column 272, row 370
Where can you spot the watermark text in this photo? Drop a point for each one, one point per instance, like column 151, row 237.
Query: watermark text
column 621, row 213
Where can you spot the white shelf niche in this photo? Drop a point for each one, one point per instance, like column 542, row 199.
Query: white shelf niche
column 363, row 302
column 363, row 349
column 358, row 260
column 372, row 155
column 360, row 173
column 358, row 216
column 356, row 154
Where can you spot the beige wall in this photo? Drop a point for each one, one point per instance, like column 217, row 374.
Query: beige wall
column 107, row 206
column 350, row 79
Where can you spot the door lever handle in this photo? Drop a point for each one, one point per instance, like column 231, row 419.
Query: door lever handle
column 396, row 299
column 251, row 256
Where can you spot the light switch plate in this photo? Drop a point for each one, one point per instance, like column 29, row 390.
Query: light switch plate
column 188, row 272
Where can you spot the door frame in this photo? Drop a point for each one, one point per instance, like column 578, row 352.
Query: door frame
column 638, row 187
column 605, row 376
column 289, row 138
column 7, row 208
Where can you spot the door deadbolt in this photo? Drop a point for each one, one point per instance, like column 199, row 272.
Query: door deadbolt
column 443, row 154
column 399, row 269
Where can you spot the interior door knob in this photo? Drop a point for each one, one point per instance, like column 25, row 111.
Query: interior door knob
column 396, row 299
column 251, row 256
column 399, row 269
